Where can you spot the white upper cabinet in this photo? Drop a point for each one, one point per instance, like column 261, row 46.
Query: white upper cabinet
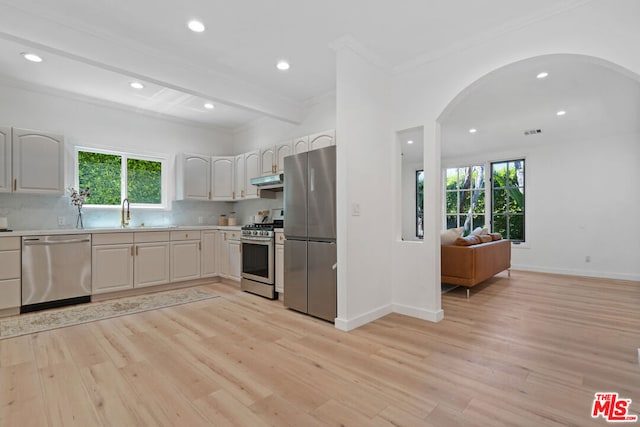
column 38, row 162
column 283, row 150
column 251, row 170
column 322, row 139
column 272, row 158
column 193, row 177
column 268, row 160
column 301, row 145
column 239, row 180
column 5, row 159
column 222, row 177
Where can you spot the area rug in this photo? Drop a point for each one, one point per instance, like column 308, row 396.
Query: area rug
column 75, row 315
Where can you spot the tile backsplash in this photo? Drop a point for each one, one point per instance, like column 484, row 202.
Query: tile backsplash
column 42, row 212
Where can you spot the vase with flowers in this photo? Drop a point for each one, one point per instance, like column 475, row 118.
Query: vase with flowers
column 77, row 199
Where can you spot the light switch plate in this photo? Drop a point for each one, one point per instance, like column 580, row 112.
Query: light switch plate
column 355, row 209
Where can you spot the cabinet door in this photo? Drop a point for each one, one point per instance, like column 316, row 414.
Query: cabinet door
column 322, row 139
column 301, row 145
column 185, row 260
column 239, row 177
column 208, row 261
column 280, row 268
column 10, row 294
column 222, row 178
column 235, row 259
column 151, row 264
column 267, row 160
column 38, row 162
column 111, row 268
column 223, row 258
column 251, row 170
column 282, row 150
column 194, row 178
column 5, row 159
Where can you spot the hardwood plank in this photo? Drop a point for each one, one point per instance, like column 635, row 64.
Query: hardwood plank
column 527, row 350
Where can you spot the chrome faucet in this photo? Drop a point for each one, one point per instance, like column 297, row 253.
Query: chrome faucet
column 123, row 222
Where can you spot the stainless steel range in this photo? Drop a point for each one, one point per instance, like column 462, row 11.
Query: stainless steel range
column 258, row 260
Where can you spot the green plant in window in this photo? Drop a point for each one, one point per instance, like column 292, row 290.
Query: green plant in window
column 102, row 173
column 144, row 178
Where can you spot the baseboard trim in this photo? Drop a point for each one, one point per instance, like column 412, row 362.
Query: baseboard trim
column 418, row 312
column 363, row 319
column 579, row 273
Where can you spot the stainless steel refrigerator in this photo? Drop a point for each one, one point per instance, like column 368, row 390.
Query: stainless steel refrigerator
column 310, row 232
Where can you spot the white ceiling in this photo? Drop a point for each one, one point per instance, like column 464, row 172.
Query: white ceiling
column 598, row 101
column 94, row 48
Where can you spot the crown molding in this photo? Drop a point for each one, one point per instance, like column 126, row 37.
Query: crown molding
column 489, row 35
column 350, row 42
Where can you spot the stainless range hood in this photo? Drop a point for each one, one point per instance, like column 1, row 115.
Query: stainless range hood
column 269, row 182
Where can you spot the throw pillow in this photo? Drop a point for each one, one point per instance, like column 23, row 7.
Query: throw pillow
column 484, row 238
column 480, row 231
column 448, row 237
column 495, row 236
column 468, row 240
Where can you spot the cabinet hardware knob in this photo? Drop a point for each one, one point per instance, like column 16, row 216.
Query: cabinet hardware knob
column 132, row 250
column 242, row 193
column 199, row 246
column 209, row 195
column 15, row 184
column 136, row 250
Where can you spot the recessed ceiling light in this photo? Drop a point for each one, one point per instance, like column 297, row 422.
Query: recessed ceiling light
column 410, row 141
column 473, row 130
column 209, row 106
column 561, row 113
column 283, row 65
column 542, row 75
column 136, row 85
column 196, row 26
column 31, row 57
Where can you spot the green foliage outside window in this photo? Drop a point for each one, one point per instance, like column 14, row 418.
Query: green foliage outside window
column 103, row 173
column 144, row 181
column 465, row 197
column 508, row 199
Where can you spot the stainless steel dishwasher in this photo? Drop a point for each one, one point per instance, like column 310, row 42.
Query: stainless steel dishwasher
column 56, row 271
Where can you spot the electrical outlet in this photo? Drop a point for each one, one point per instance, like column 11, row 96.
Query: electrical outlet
column 355, row 209
column 587, row 258
column 199, row 220
column 60, row 220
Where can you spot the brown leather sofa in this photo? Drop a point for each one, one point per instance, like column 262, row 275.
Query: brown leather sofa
column 469, row 265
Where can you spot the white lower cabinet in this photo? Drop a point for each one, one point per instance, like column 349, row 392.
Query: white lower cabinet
column 152, row 264
column 280, row 262
column 112, row 256
column 185, row 255
column 10, row 273
column 230, row 258
column 209, row 253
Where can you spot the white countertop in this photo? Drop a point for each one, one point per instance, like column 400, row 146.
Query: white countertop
column 96, row 230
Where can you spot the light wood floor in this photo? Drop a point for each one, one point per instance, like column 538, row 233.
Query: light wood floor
column 530, row 350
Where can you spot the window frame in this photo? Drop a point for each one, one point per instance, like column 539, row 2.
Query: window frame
column 418, row 218
column 458, row 191
column 523, row 160
column 124, row 156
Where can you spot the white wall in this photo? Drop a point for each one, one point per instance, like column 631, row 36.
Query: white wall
column 88, row 124
column 421, row 93
column 365, row 145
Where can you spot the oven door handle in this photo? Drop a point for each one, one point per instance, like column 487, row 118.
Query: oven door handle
column 264, row 241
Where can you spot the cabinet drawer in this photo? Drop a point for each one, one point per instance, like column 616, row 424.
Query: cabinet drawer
column 111, row 238
column 9, row 243
column 231, row 234
column 10, row 293
column 151, row 236
column 10, row 266
column 185, row 235
column 279, row 238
